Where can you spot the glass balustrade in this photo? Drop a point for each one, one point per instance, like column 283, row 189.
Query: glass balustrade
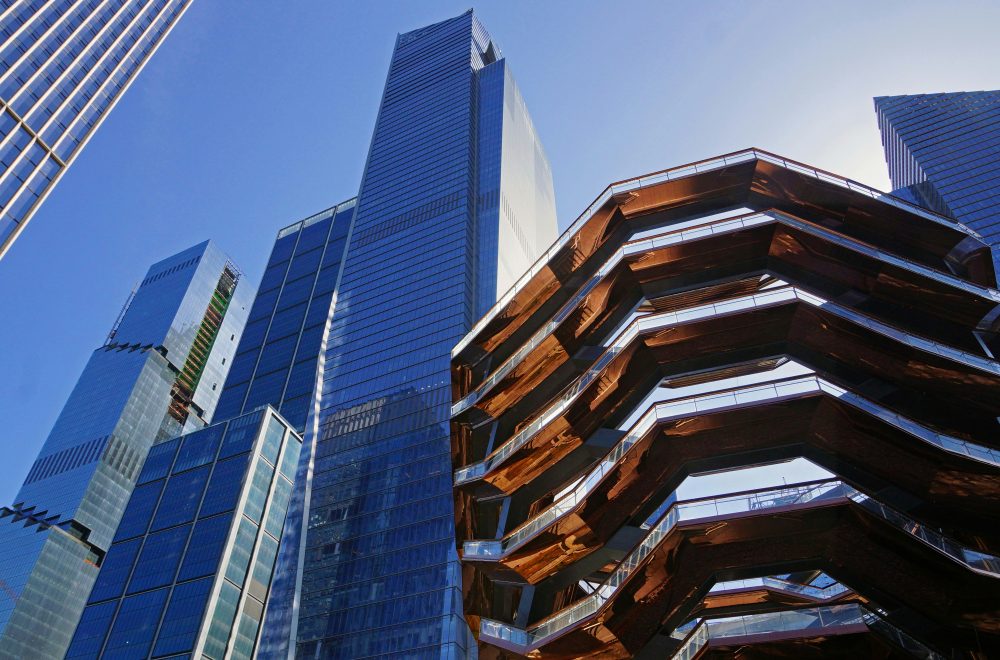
column 824, row 492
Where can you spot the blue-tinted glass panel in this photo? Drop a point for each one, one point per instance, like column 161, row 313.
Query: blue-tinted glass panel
column 158, row 461
column 183, row 618
column 224, row 489
column 199, row 447
column 92, row 629
column 314, row 235
column 279, row 504
column 273, row 276
column 140, row 510
column 241, row 434
column 276, row 354
column 132, row 634
column 114, row 572
column 159, row 559
column 319, row 310
column 296, row 410
column 266, row 389
column 260, row 485
column 263, row 305
column 222, row 621
column 181, row 497
column 304, row 264
column 272, row 440
column 287, row 321
column 253, row 334
column 309, row 346
column 334, row 252
column 231, row 401
column 327, row 280
column 283, row 248
column 297, row 291
column 239, row 558
column 205, row 548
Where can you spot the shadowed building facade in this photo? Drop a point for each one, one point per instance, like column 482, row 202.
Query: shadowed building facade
column 726, row 314
column 63, row 66
column 456, row 200
column 158, row 374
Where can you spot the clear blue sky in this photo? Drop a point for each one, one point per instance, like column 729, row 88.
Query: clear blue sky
column 255, row 113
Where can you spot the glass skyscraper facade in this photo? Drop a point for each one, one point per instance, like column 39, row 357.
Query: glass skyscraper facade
column 63, row 66
column 456, row 200
column 277, row 359
column 943, row 152
column 159, row 374
column 191, row 563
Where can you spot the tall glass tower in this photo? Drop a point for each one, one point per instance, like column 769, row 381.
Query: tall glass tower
column 63, row 66
column 943, row 152
column 455, row 202
column 158, row 374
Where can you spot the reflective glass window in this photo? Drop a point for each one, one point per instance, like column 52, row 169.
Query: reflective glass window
column 259, row 487
column 91, row 630
column 239, row 558
column 159, row 558
column 181, row 498
column 260, row 577
column 296, row 291
column 114, row 572
column 279, row 504
column 224, row 489
column 205, row 549
column 283, row 248
column 273, row 276
column 272, row 440
column 277, row 354
column 132, row 634
column 199, row 447
column 222, row 621
column 304, row 264
column 240, row 435
column 139, row 511
column 266, row 389
column 314, row 235
column 287, row 321
column 158, row 461
column 290, row 458
column 183, row 617
column 296, row 410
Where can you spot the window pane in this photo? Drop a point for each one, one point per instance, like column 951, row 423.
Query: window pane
column 114, row 573
column 132, row 634
column 239, row 558
column 205, row 549
column 259, row 488
column 159, row 558
column 240, row 436
column 222, row 621
column 272, row 440
column 91, row 631
column 139, row 511
column 224, row 489
column 183, row 618
column 181, row 498
column 199, row 447
column 158, row 461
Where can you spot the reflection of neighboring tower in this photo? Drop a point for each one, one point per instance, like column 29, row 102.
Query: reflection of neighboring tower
column 455, row 203
column 159, row 374
column 943, row 152
column 63, row 66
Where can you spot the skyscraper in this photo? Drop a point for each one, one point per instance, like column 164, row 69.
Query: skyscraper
column 713, row 318
column 63, row 66
column 943, row 152
column 158, row 374
column 191, row 562
column 455, row 201
column 278, row 356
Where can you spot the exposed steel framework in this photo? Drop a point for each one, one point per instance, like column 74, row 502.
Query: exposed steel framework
column 731, row 313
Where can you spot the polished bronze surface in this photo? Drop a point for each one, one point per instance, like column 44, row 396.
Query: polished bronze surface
column 693, row 294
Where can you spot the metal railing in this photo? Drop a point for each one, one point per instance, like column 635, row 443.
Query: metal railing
column 662, row 320
column 712, row 228
column 680, row 172
column 823, row 492
column 812, row 621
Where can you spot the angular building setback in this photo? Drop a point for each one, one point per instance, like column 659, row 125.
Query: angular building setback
column 456, row 200
column 732, row 313
column 158, row 374
column 63, row 66
column 191, row 563
column 943, row 152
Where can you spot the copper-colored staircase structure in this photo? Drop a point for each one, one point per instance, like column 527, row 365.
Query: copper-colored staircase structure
column 726, row 314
